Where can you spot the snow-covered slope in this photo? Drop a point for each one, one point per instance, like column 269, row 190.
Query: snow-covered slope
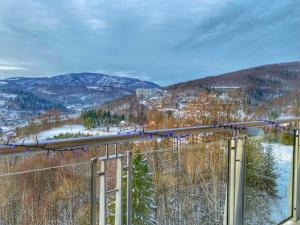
column 76, row 90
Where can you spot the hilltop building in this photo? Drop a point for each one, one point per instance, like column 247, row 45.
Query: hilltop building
column 146, row 93
column 226, row 89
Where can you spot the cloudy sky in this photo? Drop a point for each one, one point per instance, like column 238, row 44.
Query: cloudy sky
column 164, row 41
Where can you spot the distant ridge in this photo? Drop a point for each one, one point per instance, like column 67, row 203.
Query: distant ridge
column 73, row 91
column 260, row 83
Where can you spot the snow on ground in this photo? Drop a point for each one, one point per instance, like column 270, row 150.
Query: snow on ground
column 8, row 95
column 65, row 129
column 227, row 87
column 95, row 88
column 6, row 129
column 101, row 131
column 48, row 92
column 286, row 116
column 2, row 102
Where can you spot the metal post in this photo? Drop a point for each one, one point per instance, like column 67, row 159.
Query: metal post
column 116, row 150
column 129, row 189
column 236, row 178
column 296, row 177
column 106, row 151
column 177, row 156
column 119, row 192
column 231, row 182
column 93, row 191
column 102, row 193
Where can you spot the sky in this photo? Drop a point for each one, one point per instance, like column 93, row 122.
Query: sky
column 163, row 41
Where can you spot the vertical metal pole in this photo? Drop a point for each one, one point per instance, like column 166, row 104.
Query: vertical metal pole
column 106, row 151
column 129, row 189
column 102, row 193
column 116, row 150
column 93, row 191
column 119, row 192
column 231, row 182
column 296, row 177
column 177, row 155
column 236, row 178
column 240, row 181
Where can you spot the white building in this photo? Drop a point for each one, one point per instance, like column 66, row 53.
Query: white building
column 148, row 93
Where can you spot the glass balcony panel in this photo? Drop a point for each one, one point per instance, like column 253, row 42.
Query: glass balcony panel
column 183, row 181
column 35, row 190
column 189, row 185
column 269, row 169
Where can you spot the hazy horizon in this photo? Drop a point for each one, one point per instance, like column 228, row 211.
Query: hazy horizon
column 159, row 41
column 120, row 75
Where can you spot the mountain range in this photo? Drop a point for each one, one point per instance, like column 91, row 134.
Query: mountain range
column 69, row 91
column 265, row 89
column 76, row 91
column 260, row 83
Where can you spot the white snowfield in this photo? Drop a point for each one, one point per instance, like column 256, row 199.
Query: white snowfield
column 4, row 95
column 75, row 129
column 2, row 102
column 65, row 129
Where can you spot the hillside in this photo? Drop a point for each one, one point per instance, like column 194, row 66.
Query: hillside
column 259, row 83
column 262, row 91
column 76, row 90
column 22, row 97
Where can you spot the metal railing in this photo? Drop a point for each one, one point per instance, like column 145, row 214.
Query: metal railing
column 35, row 146
column 98, row 184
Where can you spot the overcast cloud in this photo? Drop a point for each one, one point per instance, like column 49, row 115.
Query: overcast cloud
column 164, row 41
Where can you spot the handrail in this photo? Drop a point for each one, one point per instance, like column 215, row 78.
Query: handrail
column 127, row 137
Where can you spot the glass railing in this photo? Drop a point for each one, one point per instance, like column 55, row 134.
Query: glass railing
column 40, row 190
column 189, row 182
column 183, row 180
column 269, row 171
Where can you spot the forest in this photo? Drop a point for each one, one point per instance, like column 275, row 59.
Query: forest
column 95, row 118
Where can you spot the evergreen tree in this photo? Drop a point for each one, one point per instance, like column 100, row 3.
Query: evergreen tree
column 142, row 193
column 269, row 171
column 273, row 115
column 261, row 167
column 143, row 203
column 94, row 118
column 260, row 182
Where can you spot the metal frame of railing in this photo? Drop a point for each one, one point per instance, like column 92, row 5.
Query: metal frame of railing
column 236, row 164
column 236, row 181
column 296, row 177
column 39, row 146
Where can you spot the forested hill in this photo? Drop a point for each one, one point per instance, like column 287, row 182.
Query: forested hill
column 269, row 89
column 260, row 83
column 72, row 91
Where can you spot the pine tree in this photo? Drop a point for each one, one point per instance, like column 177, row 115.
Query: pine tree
column 269, row 171
column 261, row 167
column 142, row 186
column 142, row 193
column 261, row 178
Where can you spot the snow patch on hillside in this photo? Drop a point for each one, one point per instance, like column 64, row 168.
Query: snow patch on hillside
column 75, row 129
column 4, row 95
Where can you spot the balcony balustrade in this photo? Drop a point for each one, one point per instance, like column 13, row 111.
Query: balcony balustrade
column 230, row 174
